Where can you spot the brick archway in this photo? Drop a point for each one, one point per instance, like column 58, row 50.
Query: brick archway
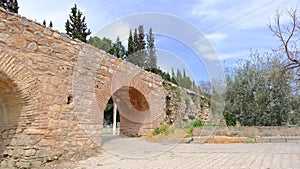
column 19, row 98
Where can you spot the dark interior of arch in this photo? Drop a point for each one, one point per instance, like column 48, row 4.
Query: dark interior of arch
column 108, row 113
column 10, row 110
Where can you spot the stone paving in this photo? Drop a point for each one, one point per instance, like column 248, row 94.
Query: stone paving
column 137, row 153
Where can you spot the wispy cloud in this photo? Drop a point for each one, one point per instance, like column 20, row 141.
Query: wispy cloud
column 204, row 8
column 215, row 37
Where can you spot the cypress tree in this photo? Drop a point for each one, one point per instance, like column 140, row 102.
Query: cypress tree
column 131, row 47
column 50, row 24
column 151, row 61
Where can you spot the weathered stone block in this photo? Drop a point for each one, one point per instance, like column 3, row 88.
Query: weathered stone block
column 55, row 108
column 4, row 37
column 20, row 43
column 30, row 152
column 47, row 31
column 45, row 50
column 35, row 131
column 2, row 26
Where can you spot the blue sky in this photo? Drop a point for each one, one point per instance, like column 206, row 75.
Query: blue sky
column 231, row 27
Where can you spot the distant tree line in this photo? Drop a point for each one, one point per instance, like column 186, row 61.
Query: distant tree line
column 141, row 49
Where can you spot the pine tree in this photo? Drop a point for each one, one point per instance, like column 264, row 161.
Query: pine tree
column 10, row 5
column 44, row 22
column 151, row 61
column 76, row 26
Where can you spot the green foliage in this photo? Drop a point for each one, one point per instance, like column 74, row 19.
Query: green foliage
column 258, row 92
column 102, row 44
column 182, row 79
column 197, row 123
column 187, row 100
column 137, row 46
column 140, row 52
column 205, row 102
column 10, row 5
column 164, row 129
column 76, row 26
column 118, row 50
column 150, row 61
column 192, row 125
column 170, row 87
column 164, row 75
column 232, row 134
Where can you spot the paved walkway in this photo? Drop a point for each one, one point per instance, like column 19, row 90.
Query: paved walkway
column 137, row 153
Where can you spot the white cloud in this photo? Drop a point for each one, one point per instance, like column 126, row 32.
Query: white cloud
column 115, row 29
column 234, row 55
column 215, row 37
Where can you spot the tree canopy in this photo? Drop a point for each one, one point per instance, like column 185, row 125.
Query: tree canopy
column 259, row 92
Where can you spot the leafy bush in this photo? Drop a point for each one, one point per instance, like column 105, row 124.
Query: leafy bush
column 194, row 124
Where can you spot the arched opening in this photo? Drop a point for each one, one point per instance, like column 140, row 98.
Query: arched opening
column 109, row 120
column 10, row 110
column 131, row 107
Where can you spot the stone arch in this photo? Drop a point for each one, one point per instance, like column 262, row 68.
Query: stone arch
column 131, row 104
column 18, row 98
column 139, row 104
column 10, row 110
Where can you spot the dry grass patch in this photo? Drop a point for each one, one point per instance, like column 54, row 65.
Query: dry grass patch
column 176, row 134
column 225, row 139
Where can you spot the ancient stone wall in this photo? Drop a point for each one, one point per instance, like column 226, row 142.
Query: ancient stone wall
column 53, row 91
column 184, row 106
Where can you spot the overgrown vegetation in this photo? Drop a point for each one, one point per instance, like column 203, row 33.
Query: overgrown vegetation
column 164, row 129
column 192, row 125
column 259, row 93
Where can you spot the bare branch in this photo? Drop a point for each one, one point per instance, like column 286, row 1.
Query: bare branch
column 287, row 34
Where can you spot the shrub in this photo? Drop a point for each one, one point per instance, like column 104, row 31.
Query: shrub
column 164, row 129
column 197, row 123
